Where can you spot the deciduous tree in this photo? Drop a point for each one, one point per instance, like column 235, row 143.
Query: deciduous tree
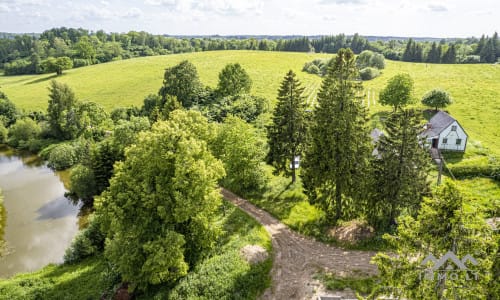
column 233, row 80
column 157, row 213
column 182, row 82
column 397, row 92
column 437, row 99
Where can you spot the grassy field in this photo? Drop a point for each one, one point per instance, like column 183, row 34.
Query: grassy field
column 475, row 88
column 223, row 275
column 127, row 82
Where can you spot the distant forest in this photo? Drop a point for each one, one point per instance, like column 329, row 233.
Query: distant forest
column 63, row 48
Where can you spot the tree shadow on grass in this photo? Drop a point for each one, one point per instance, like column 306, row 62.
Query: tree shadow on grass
column 42, row 79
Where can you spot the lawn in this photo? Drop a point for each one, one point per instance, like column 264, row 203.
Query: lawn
column 222, row 275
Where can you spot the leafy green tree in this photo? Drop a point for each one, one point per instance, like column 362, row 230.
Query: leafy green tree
column 158, row 211
column 443, row 224
column 397, row 92
column 23, row 132
column 233, row 80
column 3, row 133
column 57, row 65
column 82, row 185
column 181, row 81
column 62, row 157
column 84, row 49
column 8, row 111
column 437, row 99
column 92, row 120
column 286, row 135
column 242, row 152
column 336, row 157
column 400, row 168
column 62, row 111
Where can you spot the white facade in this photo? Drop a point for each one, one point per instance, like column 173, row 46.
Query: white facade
column 452, row 138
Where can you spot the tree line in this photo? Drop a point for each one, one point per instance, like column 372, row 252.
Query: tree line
column 63, row 48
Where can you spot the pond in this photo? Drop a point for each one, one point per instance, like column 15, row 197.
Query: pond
column 41, row 222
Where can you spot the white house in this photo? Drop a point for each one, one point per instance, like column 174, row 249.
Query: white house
column 445, row 133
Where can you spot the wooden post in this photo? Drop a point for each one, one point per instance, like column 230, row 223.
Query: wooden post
column 440, row 165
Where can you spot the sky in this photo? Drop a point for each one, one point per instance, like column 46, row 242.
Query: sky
column 416, row 18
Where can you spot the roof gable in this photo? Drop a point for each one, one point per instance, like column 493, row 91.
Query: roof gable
column 439, row 122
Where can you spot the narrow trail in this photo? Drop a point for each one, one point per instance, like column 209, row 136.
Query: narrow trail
column 297, row 258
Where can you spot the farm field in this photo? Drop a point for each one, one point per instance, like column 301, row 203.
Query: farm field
column 475, row 88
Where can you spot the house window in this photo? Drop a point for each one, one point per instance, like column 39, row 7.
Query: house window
column 454, row 128
column 459, row 141
column 445, row 141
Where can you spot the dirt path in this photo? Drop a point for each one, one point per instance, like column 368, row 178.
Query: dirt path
column 298, row 258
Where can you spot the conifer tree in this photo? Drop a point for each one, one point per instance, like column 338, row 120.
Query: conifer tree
column 286, row 134
column 400, row 169
column 338, row 145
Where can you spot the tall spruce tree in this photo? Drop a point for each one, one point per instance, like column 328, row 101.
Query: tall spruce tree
column 286, row 134
column 338, row 144
column 400, row 170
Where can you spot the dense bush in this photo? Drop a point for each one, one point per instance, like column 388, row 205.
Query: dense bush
column 18, row 67
column 3, row 133
column 368, row 73
column 88, row 242
column 79, row 62
column 317, row 66
column 62, row 157
column 369, row 58
column 476, row 170
column 22, row 133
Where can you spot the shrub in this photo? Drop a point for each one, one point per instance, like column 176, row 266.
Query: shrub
column 79, row 62
column 313, row 69
column 3, row 133
column 476, row 170
column 368, row 73
column 88, row 242
column 377, row 61
column 62, row 157
column 22, row 132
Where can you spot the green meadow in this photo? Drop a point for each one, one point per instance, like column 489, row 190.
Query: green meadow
column 475, row 88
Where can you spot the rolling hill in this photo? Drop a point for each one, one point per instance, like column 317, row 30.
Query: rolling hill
column 475, row 88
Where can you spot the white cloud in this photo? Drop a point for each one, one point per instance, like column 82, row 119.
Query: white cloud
column 4, row 8
column 134, row 12
column 354, row 2
column 437, row 8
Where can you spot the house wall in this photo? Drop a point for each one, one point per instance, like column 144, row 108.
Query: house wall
column 452, row 136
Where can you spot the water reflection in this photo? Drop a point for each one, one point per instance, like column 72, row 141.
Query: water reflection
column 41, row 222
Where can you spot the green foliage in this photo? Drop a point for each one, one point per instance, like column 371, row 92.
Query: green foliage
column 360, row 284
column 3, row 133
column 88, row 279
column 182, row 82
column 61, row 111
column 413, row 51
column 401, row 168
column 317, row 66
column 88, row 242
column 22, row 133
column 57, row 65
column 233, row 80
column 8, row 111
column 437, row 99
column 92, row 120
column 398, row 91
column 160, row 204
column 338, row 138
column 371, row 59
column 242, row 152
column 243, row 106
column 287, row 133
column 83, row 184
column 62, row 157
column 443, row 225
column 368, row 73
